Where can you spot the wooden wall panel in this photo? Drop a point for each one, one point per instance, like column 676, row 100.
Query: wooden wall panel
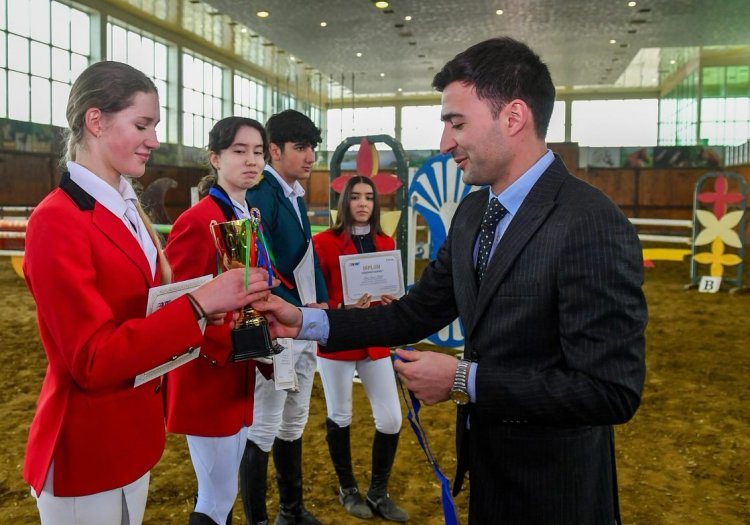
column 619, row 185
column 25, row 178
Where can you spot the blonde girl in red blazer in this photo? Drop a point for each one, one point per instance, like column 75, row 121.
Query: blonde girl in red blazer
column 211, row 399
column 357, row 230
column 90, row 260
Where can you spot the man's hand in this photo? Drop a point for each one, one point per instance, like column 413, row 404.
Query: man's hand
column 429, row 375
column 284, row 319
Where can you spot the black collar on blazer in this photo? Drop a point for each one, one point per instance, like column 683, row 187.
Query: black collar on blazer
column 83, row 200
column 225, row 208
column 110, row 225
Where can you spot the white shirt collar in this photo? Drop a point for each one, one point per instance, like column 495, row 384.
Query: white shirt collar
column 294, row 191
column 102, row 192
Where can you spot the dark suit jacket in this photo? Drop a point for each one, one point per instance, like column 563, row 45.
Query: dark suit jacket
column 286, row 238
column 557, row 331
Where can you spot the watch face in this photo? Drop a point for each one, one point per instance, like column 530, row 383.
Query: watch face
column 459, row 397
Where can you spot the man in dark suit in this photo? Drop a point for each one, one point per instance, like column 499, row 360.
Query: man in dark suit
column 280, row 416
column 554, row 321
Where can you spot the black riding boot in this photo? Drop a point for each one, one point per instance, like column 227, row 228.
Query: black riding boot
column 254, row 484
column 339, row 446
column 383, row 452
column 287, row 456
column 198, row 518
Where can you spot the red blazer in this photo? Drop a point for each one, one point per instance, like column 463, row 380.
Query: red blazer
column 90, row 280
column 328, row 246
column 209, row 396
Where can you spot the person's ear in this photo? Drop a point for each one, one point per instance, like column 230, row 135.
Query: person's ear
column 516, row 116
column 213, row 158
column 275, row 151
column 92, row 121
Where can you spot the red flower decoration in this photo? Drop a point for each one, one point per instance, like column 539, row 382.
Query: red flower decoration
column 719, row 197
column 368, row 165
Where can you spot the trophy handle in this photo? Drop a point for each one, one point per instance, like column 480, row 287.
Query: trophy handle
column 214, row 226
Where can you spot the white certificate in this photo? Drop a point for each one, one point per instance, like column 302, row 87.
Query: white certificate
column 304, row 277
column 158, row 297
column 377, row 274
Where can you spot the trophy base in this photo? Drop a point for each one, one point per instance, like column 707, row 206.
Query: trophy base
column 251, row 342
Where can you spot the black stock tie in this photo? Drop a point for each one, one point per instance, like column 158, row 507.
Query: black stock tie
column 495, row 211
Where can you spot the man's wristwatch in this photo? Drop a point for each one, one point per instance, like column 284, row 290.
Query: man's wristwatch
column 460, row 389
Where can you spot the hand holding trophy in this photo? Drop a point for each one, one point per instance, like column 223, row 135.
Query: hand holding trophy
column 240, row 244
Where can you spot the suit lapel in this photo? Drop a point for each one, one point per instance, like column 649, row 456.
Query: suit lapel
column 110, row 225
column 284, row 202
column 463, row 246
column 114, row 229
column 530, row 217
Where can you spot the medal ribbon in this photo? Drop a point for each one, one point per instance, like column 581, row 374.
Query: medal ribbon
column 450, row 515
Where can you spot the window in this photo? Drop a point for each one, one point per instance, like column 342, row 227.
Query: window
column 43, row 58
column 725, row 105
column 149, row 56
column 348, row 122
column 249, row 98
column 615, row 122
column 421, row 127
column 556, row 128
column 201, row 99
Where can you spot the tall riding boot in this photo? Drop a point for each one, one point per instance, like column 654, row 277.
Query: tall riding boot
column 254, row 484
column 339, row 446
column 198, row 518
column 383, row 452
column 287, row 456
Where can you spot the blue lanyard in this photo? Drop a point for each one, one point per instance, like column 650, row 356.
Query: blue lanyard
column 218, row 194
column 413, row 406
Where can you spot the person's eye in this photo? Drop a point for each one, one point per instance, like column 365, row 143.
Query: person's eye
column 457, row 126
column 140, row 128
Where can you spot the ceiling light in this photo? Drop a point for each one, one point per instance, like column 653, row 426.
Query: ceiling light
column 407, row 18
column 632, row 4
column 243, row 30
column 291, row 57
column 499, row 12
column 359, row 55
column 399, row 90
column 323, row 24
column 672, row 62
column 262, row 14
column 381, row 4
column 613, row 41
column 382, row 74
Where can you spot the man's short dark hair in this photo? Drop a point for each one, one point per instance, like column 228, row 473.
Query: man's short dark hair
column 292, row 126
column 503, row 69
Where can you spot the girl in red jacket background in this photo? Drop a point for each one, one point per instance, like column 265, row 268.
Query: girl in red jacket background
column 90, row 259
column 357, row 230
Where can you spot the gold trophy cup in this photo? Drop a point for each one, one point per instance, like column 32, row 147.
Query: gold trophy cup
column 250, row 336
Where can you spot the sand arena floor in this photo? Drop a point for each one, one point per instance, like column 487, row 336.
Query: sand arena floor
column 683, row 459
